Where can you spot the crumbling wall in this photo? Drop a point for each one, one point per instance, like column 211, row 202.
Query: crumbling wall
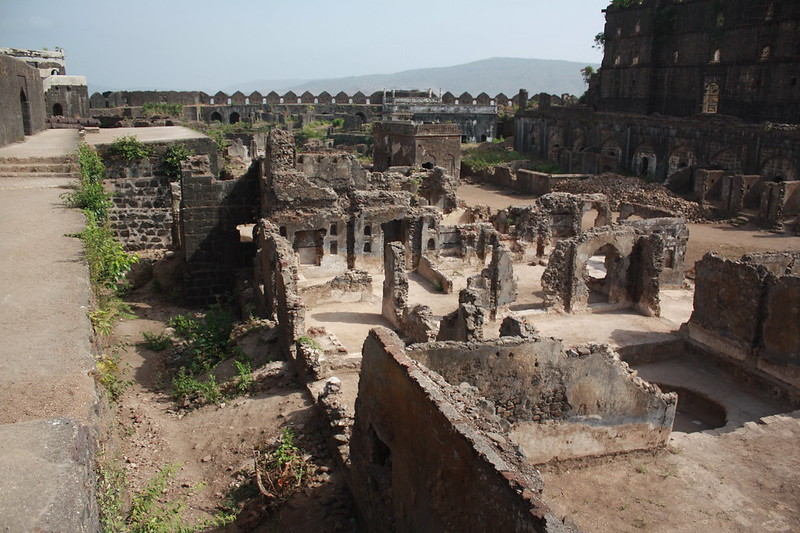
column 417, row 468
column 439, row 189
column 276, row 283
column 417, row 145
column 415, row 321
column 779, row 201
column 351, row 287
column 465, row 324
column 632, row 263
column 553, row 216
column 339, row 171
column 429, row 271
column 495, row 287
column 556, row 404
column 675, row 235
column 211, row 210
column 746, row 312
column 738, row 192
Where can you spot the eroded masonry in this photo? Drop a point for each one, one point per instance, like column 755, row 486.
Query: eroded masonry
column 428, row 329
column 412, row 319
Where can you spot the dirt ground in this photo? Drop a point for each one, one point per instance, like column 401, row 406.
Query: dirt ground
column 742, row 477
column 213, row 445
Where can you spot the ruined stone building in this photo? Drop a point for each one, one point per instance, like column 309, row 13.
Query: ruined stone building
column 63, row 95
column 476, row 117
column 686, row 87
column 399, row 144
column 739, row 58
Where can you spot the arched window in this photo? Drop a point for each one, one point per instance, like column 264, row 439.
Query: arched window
column 711, row 98
column 367, row 230
column 765, row 52
column 716, row 57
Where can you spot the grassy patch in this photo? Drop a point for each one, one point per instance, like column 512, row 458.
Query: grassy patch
column 157, row 342
column 150, row 511
column 478, row 158
column 162, row 109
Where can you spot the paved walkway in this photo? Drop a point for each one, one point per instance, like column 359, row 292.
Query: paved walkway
column 47, row 393
column 48, row 143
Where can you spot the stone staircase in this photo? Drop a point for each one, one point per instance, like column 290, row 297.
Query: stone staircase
column 39, row 167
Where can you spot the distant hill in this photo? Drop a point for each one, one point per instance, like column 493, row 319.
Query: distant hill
column 495, row 75
column 498, row 74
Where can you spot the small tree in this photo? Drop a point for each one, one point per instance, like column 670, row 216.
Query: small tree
column 587, row 72
column 599, row 41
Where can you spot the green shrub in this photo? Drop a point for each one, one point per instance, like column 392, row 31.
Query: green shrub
column 129, row 148
column 109, row 375
column 308, row 341
column 92, row 168
column 185, row 385
column 246, row 379
column 89, row 194
column 284, row 470
column 108, row 261
column 162, row 109
column 207, row 336
column 174, row 156
column 157, row 342
column 91, row 197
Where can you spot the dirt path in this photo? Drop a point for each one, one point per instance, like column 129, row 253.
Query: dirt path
column 742, row 481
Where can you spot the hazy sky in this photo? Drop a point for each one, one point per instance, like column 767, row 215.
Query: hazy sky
column 203, row 45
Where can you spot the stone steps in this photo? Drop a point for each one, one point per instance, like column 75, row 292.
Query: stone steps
column 16, row 168
column 39, row 167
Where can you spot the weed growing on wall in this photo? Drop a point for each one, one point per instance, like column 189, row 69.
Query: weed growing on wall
column 129, row 148
column 89, row 195
column 174, row 156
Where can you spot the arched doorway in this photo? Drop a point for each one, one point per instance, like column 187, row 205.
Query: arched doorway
column 58, row 111
column 234, row 118
column 599, row 274
column 215, row 116
column 26, row 113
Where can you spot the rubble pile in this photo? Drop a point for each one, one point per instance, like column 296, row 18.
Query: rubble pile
column 631, row 190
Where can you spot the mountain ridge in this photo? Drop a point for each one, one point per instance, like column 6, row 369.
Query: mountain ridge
column 493, row 76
